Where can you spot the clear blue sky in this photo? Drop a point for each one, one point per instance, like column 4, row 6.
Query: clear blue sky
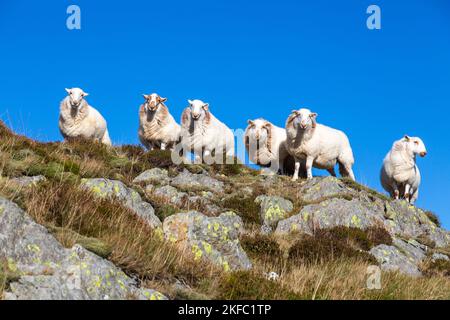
column 247, row 59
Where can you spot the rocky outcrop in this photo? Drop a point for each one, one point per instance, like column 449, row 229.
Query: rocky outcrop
column 273, row 209
column 45, row 270
column 199, row 181
column 320, row 188
column 392, row 259
column 333, row 203
column 211, row 238
column 407, row 220
column 153, row 176
column 27, row 181
column 186, row 190
column 129, row 197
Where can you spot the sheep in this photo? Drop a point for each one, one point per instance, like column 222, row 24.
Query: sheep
column 266, row 146
column 78, row 119
column 399, row 175
column 204, row 134
column 317, row 145
column 157, row 127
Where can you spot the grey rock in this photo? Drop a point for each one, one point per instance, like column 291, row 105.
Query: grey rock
column 413, row 250
column 129, row 197
column 48, row 271
column 153, row 176
column 171, row 195
column 318, row 188
column 273, row 209
column 331, row 213
column 411, row 221
column 439, row 256
column 213, row 238
column 200, row 181
column 28, row 181
column 184, row 200
column 392, row 259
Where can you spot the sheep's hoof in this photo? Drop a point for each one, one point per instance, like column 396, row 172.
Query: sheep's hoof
column 294, row 179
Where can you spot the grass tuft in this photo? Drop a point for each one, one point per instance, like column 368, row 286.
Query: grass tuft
column 245, row 207
column 247, row 285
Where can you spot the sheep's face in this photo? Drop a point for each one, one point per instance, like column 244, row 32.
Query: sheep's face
column 258, row 130
column 304, row 119
column 198, row 109
column 153, row 101
column 76, row 96
column 415, row 145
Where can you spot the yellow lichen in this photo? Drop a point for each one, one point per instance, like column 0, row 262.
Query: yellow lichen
column 356, row 221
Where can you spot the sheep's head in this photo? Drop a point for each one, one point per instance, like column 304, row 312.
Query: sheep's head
column 76, row 96
column 415, row 145
column 303, row 119
column 198, row 109
column 258, row 130
column 153, row 101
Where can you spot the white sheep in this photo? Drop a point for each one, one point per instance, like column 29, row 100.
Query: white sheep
column 400, row 175
column 317, row 145
column 78, row 119
column 266, row 146
column 157, row 127
column 204, row 134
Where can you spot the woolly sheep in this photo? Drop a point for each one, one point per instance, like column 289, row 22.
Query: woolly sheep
column 266, row 146
column 78, row 119
column 157, row 127
column 400, row 175
column 204, row 134
column 317, row 145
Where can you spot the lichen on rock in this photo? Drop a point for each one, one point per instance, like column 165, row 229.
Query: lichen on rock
column 48, row 271
column 212, row 238
column 129, row 197
column 273, row 209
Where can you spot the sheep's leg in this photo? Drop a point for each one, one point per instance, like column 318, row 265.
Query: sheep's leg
column 296, row 169
column 407, row 192
column 332, row 172
column 281, row 168
column 207, row 157
column 198, row 158
column 351, row 174
column 346, row 170
column 396, row 192
column 309, row 165
column 414, row 196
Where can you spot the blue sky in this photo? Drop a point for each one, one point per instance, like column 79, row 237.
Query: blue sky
column 248, row 59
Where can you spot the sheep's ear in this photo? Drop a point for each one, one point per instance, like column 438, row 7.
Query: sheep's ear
column 250, row 122
column 189, row 101
column 206, row 106
column 294, row 111
column 67, row 90
column 84, row 94
column 313, row 115
column 161, row 99
column 407, row 138
column 268, row 126
column 145, row 96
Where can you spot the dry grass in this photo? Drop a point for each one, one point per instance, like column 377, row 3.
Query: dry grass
column 344, row 279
